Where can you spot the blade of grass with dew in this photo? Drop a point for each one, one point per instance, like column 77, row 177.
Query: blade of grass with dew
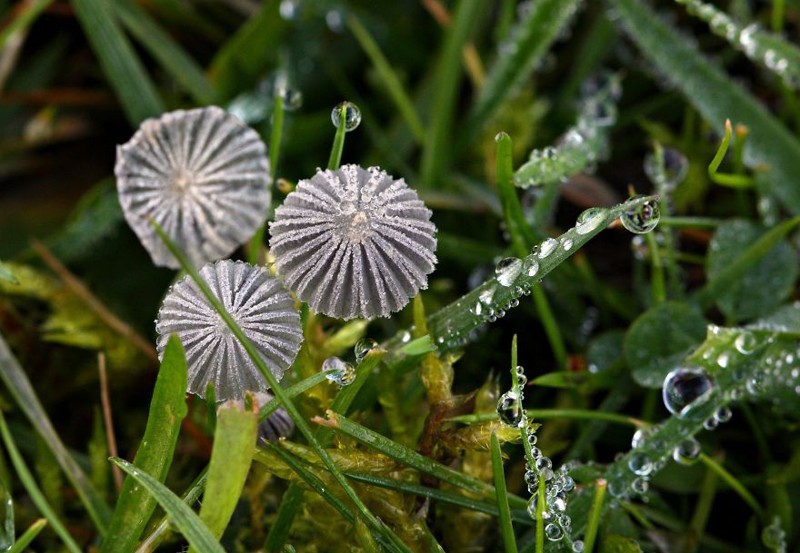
column 279, row 393
column 7, row 530
column 335, row 159
column 547, row 414
column 26, row 14
column 506, row 529
column 448, row 76
column 717, row 97
column 20, row 388
column 135, row 505
column 765, row 48
column 184, row 519
column 33, row 490
column 389, row 78
column 530, row 39
column 733, row 181
column 235, row 434
column 125, row 72
column 28, row 536
column 744, row 261
column 450, row 327
column 172, row 57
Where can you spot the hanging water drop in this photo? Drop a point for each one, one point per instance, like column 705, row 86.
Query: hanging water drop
column 590, row 219
column 553, row 532
column 351, row 113
column 509, row 409
column 640, row 464
column 642, row 218
column 521, row 378
column 508, row 270
column 687, row 452
column 363, row 347
column 578, row 546
column 640, row 486
column 723, row 414
column 685, row 389
column 341, row 373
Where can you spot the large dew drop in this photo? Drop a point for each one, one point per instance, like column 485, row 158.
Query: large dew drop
column 686, row 389
column 590, row 219
column 508, row 270
column 687, row 452
column 643, row 218
column 509, row 409
column 351, row 113
column 341, row 373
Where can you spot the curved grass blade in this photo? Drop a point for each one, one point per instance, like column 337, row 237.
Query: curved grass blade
column 717, row 97
column 167, row 409
column 124, row 70
column 26, row 15
column 172, row 57
column 29, row 535
column 768, row 49
column 7, row 511
column 33, row 490
column 506, row 529
column 22, row 391
column 186, row 520
column 530, row 39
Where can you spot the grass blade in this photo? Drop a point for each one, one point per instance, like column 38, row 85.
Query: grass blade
column 717, row 97
column 29, row 535
column 33, row 490
column 24, row 19
column 166, row 51
column 186, row 520
column 506, row 529
column 125, row 72
column 21, row 390
column 167, row 410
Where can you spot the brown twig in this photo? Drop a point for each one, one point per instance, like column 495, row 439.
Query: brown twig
column 80, row 290
column 109, row 424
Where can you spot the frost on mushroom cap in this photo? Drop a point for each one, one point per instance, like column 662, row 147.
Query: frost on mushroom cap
column 354, row 242
column 201, row 174
column 261, row 307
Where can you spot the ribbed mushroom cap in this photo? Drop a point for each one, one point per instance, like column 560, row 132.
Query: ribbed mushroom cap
column 260, row 306
column 201, row 174
column 354, row 243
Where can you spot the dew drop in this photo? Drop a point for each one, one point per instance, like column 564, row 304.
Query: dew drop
column 745, row 343
column 521, row 378
column 640, row 464
column 578, row 546
column 710, row 423
column 640, row 436
column 363, row 347
column 687, row 452
column 566, row 243
column 543, row 463
column 352, row 115
column 685, row 389
column 289, row 9
column 405, row 337
column 292, row 98
column 590, row 219
column 533, row 268
column 509, row 409
column 723, row 414
column 341, row 373
column 532, row 480
column 486, row 295
column 477, row 309
column 671, row 172
column 723, row 359
column 643, row 218
column 547, row 247
column 553, row 532
column 508, row 270
column 640, row 486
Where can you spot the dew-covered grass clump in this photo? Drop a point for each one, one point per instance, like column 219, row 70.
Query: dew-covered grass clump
column 335, row 276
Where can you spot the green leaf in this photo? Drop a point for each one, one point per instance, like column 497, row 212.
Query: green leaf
column 660, row 338
column 530, row 39
column 33, row 490
column 619, row 544
column 763, row 285
column 30, row 534
column 16, row 380
column 165, row 50
column 124, row 70
column 167, row 410
column 717, row 97
column 785, row 320
column 184, row 519
column 234, row 444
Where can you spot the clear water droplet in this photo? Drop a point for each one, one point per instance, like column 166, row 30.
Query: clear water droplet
column 640, row 464
column 687, row 452
column 578, row 546
column 352, row 115
column 745, row 343
column 640, row 436
column 566, row 243
column 671, row 172
column 363, row 347
column 477, row 309
column 487, row 295
column 509, row 409
column 405, row 337
column 640, row 486
column 508, row 270
column 342, row 373
column 289, row 9
column 521, row 378
column 531, row 480
column 685, row 389
column 533, row 268
column 590, row 219
column 547, row 247
column 710, row 423
column 553, row 532
column 723, row 359
column 643, row 218
column 723, row 414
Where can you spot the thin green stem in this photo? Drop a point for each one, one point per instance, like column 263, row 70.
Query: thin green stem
column 776, row 17
column 338, row 140
column 735, row 485
column 544, row 414
column 33, row 490
column 30, row 534
column 276, row 389
column 540, row 502
column 705, row 500
column 658, row 282
column 506, row 528
column 594, row 515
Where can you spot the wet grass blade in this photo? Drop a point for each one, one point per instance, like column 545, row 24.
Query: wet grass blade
column 124, row 70
column 506, row 529
column 167, row 409
column 22, row 391
column 172, row 57
column 717, row 97
column 184, row 519
column 33, row 490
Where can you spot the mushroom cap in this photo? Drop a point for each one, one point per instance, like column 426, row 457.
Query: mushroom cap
column 202, row 175
column 354, row 243
column 260, row 306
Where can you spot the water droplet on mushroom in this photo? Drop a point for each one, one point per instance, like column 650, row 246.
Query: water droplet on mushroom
column 341, row 373
column 352, row 115
column 642, row 218
column 508, row 270
column 590, row 219
column 509, row 409
column 685, row 389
